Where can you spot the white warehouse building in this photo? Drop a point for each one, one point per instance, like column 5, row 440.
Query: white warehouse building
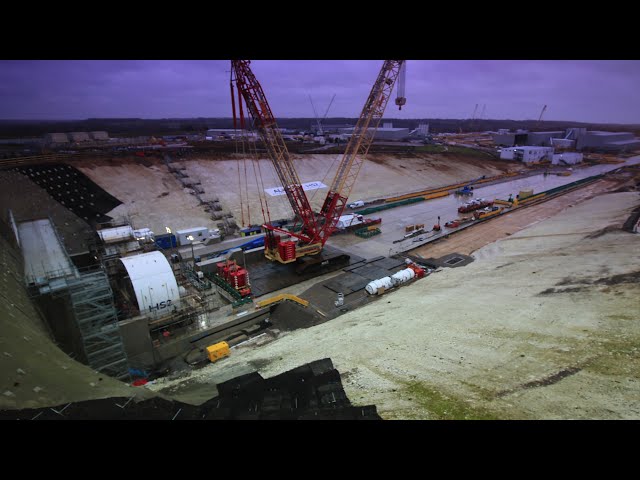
column 386, row 132
column 527, row 154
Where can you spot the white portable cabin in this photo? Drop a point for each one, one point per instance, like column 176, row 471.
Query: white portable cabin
column 348, row 220
column 199, row 234
column 116, row 234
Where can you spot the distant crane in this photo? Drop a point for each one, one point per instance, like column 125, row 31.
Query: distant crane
column 474, row 112
column 483, row 108
column 540, row 117
column 318, row 120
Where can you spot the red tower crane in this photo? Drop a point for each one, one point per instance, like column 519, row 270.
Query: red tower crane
column 317, row 227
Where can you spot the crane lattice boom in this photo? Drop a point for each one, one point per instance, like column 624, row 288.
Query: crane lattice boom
column 358, row 147
column 265, row 124
column 316, row 228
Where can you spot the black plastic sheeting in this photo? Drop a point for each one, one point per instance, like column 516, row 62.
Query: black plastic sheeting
column 73, row 189
column 310, row 392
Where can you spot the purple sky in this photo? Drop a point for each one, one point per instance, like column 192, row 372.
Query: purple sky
column 588, row 91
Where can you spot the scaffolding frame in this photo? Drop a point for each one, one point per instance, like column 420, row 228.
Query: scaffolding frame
column 94, row 313
column 96, row 317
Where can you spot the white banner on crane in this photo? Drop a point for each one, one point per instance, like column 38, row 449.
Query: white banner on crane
column 274, row 192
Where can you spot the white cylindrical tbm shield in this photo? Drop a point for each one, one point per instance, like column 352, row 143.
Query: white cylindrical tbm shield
column 373, row 287
column 402, row 276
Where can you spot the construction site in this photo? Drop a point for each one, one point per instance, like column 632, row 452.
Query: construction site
column 361, row 272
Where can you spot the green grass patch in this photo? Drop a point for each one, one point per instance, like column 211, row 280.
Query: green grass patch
column 444, row 407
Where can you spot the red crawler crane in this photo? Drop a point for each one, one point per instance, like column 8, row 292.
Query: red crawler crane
column 317, row 227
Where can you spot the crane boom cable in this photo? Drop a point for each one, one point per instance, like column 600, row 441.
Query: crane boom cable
column 260, row 184
column 235, row 129
column 362, row 137
column 265, row 123
column 315, row 113
column 316, row 227
column 246, row 184
column 357, row 148
column 328, row 107
column 240, row 185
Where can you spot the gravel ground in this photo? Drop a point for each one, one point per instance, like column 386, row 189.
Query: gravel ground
column 543, row 325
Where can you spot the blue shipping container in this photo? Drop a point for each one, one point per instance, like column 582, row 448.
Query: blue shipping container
column 168, row 240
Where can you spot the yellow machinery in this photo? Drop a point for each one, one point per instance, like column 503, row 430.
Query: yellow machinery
column 525, row 194
column 280, row 298
column 217, row 351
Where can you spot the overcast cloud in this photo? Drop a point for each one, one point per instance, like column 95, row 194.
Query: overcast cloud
column 586, row 91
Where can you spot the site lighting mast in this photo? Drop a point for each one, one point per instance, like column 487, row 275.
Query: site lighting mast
column 193, row 255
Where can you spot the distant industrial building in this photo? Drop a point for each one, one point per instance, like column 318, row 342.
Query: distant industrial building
column 563, row 143
column 331, row 128
column 505, row 138
column 422, row 130
column 578, row 138
column 51, row 138
column 78, row 137
column 614, row 141
column 543, row 139
column 527, row 154
column 75, row 137
column 385, row 133
column 99, row 135
column 215, row 132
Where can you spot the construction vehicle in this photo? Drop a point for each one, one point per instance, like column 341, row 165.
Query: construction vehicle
column 458, row 221
column 468, row 189
column 475, row 205
column 487, row 212
column 280, row 298
column 353, row 221
column 464, row 191
column 305, row 246
column 217, row 351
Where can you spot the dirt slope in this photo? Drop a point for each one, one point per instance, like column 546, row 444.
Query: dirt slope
column 155, row 199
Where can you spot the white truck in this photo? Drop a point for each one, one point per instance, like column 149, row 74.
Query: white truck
column 356, row 204
column 353, row 221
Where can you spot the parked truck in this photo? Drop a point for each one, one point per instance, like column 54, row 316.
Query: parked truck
column 353, row 221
